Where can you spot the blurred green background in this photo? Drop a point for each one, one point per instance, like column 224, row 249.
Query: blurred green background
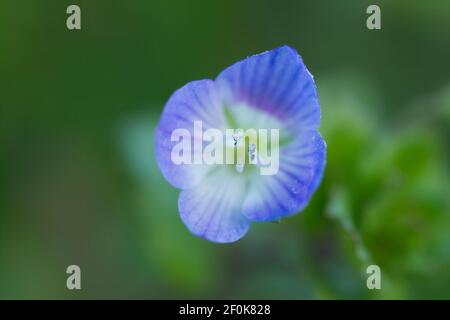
column 79, row 183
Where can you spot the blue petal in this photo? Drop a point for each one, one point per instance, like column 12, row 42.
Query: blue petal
column 301, row 168
column 212, row 210
column 196, row 101
column 276, row 82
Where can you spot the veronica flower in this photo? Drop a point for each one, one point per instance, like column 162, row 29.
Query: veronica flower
column 271, row 90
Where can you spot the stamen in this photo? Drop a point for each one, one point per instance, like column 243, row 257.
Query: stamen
column 239, row 143
column 238, row 136
column 252, row 151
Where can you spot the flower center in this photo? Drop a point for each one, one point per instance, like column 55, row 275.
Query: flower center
column 260, row 142
column 244, row 153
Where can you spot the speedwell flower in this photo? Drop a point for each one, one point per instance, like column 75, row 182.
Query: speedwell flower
column 272, row 90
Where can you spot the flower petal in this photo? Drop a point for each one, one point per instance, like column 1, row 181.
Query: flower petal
column 287, row 192
column 196, row 101
column 276, row 82
column 212, row 210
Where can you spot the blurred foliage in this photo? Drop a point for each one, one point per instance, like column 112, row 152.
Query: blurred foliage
column 79, row 182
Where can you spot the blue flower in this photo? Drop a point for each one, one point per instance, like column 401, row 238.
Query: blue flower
column 271, row 90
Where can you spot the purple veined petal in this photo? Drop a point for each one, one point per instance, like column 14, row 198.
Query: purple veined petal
column 276, row 82
column 212, row 210
column 196, row 101
column 287, row 192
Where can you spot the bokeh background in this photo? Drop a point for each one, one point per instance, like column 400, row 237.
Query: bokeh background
column 79, row 183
